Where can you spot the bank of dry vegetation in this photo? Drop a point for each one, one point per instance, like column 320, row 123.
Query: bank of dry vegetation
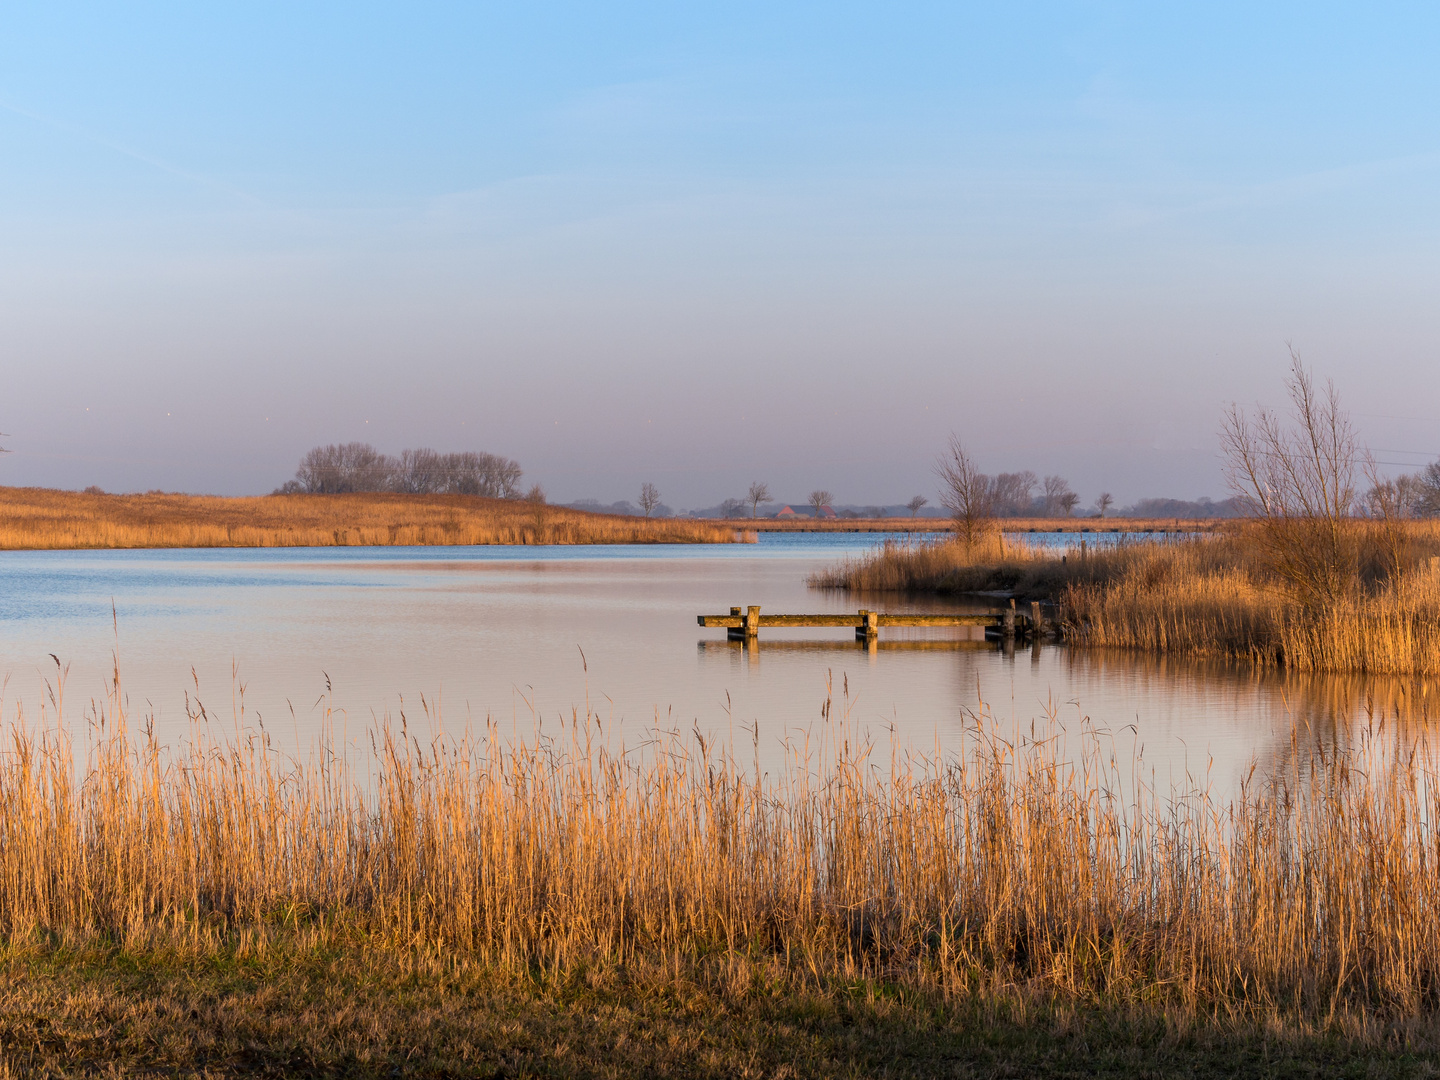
column 1216, row 594
column 41, row 518
column 669, row 890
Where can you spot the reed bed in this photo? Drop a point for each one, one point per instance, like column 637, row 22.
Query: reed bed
column 1016, row 866
column 1201, row 595
column 40, row 518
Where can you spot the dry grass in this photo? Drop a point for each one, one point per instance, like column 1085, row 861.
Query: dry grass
column 1209, row 595
column 1015, row 871
column 1008, row 525
column 40, row 518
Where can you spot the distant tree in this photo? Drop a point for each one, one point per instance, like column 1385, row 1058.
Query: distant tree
column 1104, row 502
column 536, row 495
column 649, row 498
column 346, row 467
column 965, row 491
column 732, row 508
column 1428, row 502
column 915, row 504
column 757, row 494
column 1010, row 493
column 1056, row 493
column 820, row 499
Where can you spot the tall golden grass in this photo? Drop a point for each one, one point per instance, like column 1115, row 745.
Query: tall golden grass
column 40, row 518
column 1206, row 595
column 1017, row 863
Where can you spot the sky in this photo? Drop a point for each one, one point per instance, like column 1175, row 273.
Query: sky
column 701, row 245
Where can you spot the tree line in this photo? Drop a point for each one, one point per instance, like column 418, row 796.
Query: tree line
column 358, row 467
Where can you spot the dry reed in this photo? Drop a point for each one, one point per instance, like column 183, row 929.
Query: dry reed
column 40, row 518
column 1016, row 864
column 1207, row 595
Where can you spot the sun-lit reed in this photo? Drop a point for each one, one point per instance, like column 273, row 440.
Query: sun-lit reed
column 1204, row 595
column 40, row 518
column 1037, row 859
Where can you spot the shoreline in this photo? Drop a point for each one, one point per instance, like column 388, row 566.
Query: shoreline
column 43, row 519
column 1007, row 525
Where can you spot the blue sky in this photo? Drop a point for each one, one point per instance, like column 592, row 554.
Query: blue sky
column 705, row 245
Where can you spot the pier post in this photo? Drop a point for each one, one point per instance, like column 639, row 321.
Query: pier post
column 1037, row 621
column 1007, row 622
column 752, row 622
column 735, row 633
column 869, row 626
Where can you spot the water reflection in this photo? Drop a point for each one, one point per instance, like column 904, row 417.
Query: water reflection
column 500, row 633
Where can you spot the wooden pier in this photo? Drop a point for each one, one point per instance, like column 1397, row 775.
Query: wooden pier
column 1008, row 622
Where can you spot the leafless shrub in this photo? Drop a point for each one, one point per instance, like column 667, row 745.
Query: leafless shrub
column 966, row 492
column 1300, row 479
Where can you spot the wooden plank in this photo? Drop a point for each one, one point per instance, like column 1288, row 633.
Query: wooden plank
column 856, row 620
column 990, row 619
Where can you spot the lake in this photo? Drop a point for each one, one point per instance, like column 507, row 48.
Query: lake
column 453, row 636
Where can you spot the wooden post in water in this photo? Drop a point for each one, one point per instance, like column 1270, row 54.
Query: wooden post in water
column 1037, row 623
column 869, row 626
column 752, row 622
column 735, row 633
column 1007, row 622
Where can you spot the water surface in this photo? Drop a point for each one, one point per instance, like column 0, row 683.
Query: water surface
column 520, row 634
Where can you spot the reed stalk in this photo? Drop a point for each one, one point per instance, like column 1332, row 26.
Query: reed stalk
column 1212, row 595
column 1037, row 860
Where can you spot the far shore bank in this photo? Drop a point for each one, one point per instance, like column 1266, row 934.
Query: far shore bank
column 1009, row 525
column 46, row 519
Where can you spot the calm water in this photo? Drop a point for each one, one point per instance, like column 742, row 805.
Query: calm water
column 519, row 633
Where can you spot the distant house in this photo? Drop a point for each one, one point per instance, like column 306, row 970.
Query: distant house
column 786, row 512
column 827, row 512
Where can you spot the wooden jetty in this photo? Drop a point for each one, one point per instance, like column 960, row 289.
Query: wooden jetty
column 1008, row 622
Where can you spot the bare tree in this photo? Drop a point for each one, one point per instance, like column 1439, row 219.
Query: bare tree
column 360, row 467
column 649, row 498
column 536, row 495
column 965, row 491
column 1057, row 490
column 915, row 504
column 757, row 494
column 1104, row 502
column 820, row 499
column 1428, row 502
column 1300, row 479
column 1067, row 503
column 1010, row 493
column 344, row 467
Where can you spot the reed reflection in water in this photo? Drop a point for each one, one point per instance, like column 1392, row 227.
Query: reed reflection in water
column 500, row 634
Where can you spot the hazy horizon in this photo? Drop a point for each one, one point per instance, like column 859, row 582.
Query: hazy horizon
column 703, row 247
